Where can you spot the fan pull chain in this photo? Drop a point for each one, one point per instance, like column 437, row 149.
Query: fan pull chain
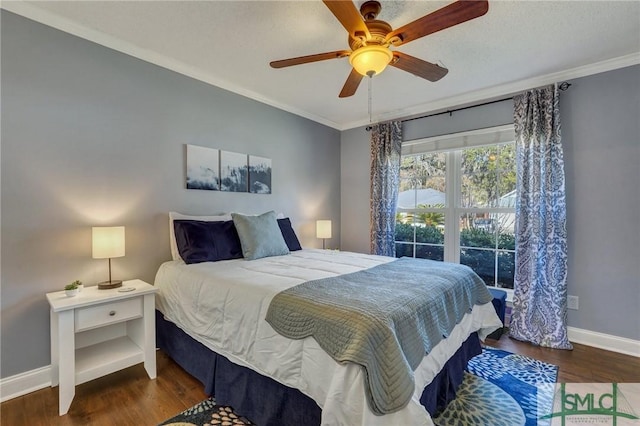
column 370, row 109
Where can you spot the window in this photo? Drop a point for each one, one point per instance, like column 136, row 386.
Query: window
column 458, row 204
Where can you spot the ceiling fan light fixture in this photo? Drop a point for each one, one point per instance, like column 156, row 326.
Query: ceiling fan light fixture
column 370, row 38
column 370, row 60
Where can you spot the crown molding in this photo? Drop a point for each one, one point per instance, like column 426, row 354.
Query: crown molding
column 503, row 90
column 50, row 19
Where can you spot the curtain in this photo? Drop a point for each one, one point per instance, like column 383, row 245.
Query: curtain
column 386, row 148
column 540, row 289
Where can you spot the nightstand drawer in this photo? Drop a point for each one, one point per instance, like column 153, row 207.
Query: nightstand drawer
column 107, row 313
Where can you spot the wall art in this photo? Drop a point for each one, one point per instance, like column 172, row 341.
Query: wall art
column 202, row 168
column 234, row 171
column 259, row 175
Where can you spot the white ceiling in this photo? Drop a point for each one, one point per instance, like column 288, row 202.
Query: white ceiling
column 517, row 45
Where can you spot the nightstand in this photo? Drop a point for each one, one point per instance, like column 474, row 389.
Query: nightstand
column 99, row 332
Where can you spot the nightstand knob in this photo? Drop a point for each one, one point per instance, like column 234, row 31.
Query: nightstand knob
column 112, row 313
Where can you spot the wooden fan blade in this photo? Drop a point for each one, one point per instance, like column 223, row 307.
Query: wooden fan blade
column 450, row 15
column 349, row 17
column 310, row 58
column 351, row 85
column 415, row 66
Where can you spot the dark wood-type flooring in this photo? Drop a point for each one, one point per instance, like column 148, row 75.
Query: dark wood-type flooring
column 128, row 397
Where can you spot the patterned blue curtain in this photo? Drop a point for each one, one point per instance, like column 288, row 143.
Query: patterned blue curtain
column 386, row 146
column 540, row 290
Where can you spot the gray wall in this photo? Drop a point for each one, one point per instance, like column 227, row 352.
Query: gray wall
column 601, row 139
column 93, row 137
column 354, row 194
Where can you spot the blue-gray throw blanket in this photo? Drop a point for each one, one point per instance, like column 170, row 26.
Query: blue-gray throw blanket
column 385, row 318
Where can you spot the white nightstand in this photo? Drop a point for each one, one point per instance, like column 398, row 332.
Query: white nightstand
column 99, row 332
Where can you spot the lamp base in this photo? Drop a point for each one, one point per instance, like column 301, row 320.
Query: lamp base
column 105, row 285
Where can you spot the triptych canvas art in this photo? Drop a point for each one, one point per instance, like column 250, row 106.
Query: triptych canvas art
column 216, row 170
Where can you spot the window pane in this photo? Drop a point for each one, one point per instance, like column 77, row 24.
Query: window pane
column 431, row 193
column 404, row 227
column 479, row 177
column 407, row 165
column 420, row 167
column 481, row 261
column 466, row 193
column 505, row 227
column 426, row 229
column 428, row 195
column 507, row 157
column 422, row 183
column 406, row 185
column 507, row 175
column 430, row 252
column 404, row 250
column 478, row 230
column 506, row 269
column 433, row 164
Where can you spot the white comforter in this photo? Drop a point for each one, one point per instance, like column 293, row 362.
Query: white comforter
column 223, row 305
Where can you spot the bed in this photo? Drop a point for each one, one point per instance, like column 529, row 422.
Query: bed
column 211, row 320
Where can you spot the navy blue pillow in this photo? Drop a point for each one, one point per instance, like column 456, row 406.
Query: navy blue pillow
column 200, row 241
column 289, row 235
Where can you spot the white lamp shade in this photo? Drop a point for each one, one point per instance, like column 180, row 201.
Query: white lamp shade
column 323, row 229
column 370, row 59
column 107, row 241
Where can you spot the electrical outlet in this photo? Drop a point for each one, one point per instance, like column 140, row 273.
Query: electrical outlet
column 572, row 302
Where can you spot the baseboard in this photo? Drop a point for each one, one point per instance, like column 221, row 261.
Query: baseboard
column 30, row 381
column 604, row 341
column 24, row 383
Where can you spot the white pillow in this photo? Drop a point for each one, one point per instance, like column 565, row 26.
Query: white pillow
column 175, row 254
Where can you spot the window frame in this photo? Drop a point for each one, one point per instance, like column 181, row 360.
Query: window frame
column 453, row 209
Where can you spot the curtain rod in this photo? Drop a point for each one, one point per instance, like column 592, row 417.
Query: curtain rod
column 562, row 86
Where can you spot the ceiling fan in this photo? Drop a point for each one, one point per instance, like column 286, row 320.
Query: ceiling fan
column 370, row 40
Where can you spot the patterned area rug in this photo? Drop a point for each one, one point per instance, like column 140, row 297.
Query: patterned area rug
column 498, row 389
column 501, row 388
column 208, row 413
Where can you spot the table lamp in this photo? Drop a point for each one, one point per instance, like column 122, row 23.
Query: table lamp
column 323, row 230
column 108, row 242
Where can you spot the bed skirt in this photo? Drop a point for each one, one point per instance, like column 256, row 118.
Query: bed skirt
column 267, row 402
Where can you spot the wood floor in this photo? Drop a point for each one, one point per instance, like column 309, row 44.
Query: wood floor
column 128, row 397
